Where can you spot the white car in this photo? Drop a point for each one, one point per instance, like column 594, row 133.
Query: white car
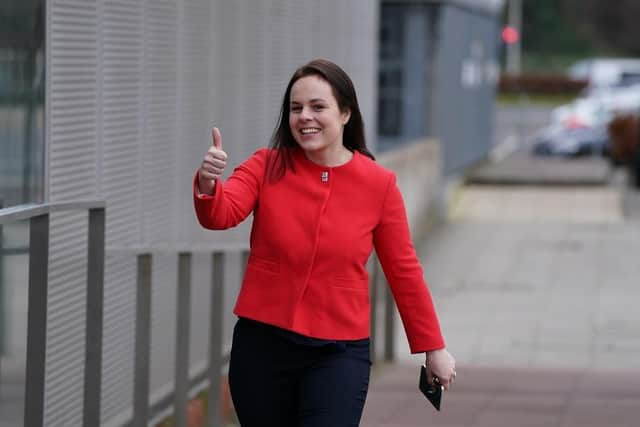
column 606, row 72
column 580, row 127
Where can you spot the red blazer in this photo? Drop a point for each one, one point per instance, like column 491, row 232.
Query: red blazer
column 313, row 231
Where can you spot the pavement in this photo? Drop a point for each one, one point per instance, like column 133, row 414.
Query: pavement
column 536, row 288
column 499, row 396
column 520, row 168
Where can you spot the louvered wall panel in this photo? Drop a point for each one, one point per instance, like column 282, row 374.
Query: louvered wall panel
column 122, row 119
column 200, row 313
column 66, row 319
column 118, row 335
column 74, row 97
column 194, row 134
column 158, row 163
column 195, row 119
column 253, row 73
column 227, row 99
column 163, row 321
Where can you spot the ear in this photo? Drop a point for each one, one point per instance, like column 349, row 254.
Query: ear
column 345, row 115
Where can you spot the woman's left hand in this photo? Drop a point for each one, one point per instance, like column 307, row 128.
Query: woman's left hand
column 440, row 363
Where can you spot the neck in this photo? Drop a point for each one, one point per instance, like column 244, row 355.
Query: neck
column 336, row 157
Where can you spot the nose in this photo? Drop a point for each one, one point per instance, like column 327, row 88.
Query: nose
column 305, row 114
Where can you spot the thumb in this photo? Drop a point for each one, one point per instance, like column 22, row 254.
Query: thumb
column 217, row 138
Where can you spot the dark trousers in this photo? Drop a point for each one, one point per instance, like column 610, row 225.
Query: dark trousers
column 278, row 382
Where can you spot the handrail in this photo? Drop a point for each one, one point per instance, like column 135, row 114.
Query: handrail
column 176, row 248
column 22, row 212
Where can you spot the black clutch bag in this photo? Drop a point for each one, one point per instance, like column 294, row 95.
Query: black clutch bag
column 432, row 391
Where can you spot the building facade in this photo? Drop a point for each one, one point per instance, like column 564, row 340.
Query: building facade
column 438, row 74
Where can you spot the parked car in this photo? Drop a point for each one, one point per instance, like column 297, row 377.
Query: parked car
column 571, row 142
column 606, row 72
column 580, row 127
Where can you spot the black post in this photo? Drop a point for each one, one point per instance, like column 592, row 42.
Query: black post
column 143, row 331
column 214, row 416
column 37, row 320
column 94, row 318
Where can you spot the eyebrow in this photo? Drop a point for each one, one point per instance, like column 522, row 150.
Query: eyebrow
column 312, row 100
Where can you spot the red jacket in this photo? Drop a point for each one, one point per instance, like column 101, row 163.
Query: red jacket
column 310, row 241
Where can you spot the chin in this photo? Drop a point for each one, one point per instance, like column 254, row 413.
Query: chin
column 311, row 145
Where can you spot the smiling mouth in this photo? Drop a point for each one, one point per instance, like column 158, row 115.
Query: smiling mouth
column 309, row 131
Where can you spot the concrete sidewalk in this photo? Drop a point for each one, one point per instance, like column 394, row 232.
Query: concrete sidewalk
column 508, row 397
column 521, row 168
column 537, row 291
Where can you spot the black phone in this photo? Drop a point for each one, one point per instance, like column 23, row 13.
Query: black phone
column 432, row 391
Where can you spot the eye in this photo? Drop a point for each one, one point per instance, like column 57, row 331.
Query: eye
column 295, row 108
column 318, row 107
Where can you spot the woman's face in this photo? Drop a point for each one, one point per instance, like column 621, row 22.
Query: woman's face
column 315, row 118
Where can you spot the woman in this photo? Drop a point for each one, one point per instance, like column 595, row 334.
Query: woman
column 300, row 351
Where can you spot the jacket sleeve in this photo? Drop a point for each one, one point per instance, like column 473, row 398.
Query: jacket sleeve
column 234, row 200
column 402, row 269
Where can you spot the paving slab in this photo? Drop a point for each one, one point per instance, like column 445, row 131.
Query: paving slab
column 522, row 168
column 509, row 397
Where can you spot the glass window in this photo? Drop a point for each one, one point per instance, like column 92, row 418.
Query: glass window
column 390, row 74
column 21, row 102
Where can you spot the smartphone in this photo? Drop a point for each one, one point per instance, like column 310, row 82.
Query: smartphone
column 432, row 391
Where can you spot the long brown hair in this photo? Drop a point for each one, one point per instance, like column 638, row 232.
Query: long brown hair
column 282, row 141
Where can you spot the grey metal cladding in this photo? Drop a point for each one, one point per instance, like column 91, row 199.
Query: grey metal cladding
column 122, row 130
column 158, row 163
column 66, row 319
column 74, row 102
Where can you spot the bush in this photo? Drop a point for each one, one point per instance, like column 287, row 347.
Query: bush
column 541, row 84
column 624, row 138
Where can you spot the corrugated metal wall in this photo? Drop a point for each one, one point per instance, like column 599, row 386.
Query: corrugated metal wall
column 466, row 73
column 134, row 87
column 438, row 75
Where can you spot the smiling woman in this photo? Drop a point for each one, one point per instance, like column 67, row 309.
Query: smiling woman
column 321, row 205
column 317, row 121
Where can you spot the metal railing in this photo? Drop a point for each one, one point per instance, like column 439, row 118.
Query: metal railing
column 210, row 376
column 39, row 217
column 185, row 385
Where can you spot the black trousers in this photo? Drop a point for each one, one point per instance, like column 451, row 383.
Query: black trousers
column 279, row 382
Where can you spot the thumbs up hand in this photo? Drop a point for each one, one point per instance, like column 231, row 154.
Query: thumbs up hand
column 212, row 165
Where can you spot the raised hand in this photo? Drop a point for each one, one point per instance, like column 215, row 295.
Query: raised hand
column 213, row 164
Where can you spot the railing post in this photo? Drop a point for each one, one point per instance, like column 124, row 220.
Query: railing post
column 37, row 320
column 183, row 317
column 143, row 330
column 94, row 318
column 3, row 303
column 373, row 298
column 389, row 325
column 214, row 416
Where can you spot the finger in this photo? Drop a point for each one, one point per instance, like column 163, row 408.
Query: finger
column 208, row 172
column 213, row 171
column 212, row 161
column 216, row 153
column 429, row 376
column 217, row 138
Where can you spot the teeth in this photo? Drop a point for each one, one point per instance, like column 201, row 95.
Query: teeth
column 309, row 130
